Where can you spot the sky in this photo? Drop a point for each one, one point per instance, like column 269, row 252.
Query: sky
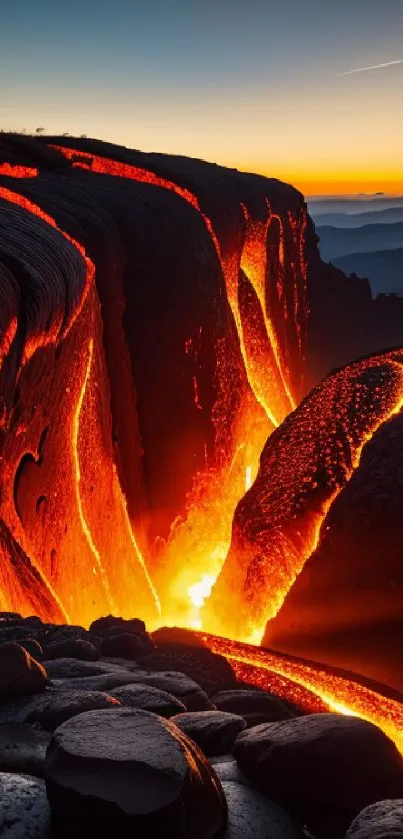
column 260, row 85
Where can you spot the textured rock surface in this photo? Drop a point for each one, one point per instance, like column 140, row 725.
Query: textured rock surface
column 148, row 698
column 23, row 749
column 127, row 772
column 251, row 816
column 383, row 820
column 214, row 732
column 323, row 768
column 254, row 706
column 346, row 606
column 24, row 810
column 54, row 709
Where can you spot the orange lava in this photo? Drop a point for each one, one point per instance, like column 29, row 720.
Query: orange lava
column 17, row 171
column 315, row 453
column 333, row 433
column 42, row 339
column 200, row 538
column 337, row 693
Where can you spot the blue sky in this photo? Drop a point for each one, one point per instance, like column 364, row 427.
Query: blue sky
column 254, row 84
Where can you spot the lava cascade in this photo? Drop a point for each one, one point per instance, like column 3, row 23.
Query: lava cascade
column 203, row 532
column 310, row 455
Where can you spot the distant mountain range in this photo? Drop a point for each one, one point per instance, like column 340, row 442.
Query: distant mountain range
column 336, row 241
column 389, row 216
column 339, row 204
column 362, row 235
column 384, row 269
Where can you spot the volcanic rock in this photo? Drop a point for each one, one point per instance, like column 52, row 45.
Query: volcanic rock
column 147, row 698
column 209, row 670
column 77, row 648
column 214, row 732
column 110, row 625
column 251, row 816
column 129, row 772
column 322, row 768
column 24, row 809
column 227, row 769
column 127, row 645
column 345, row 608
column 56, row 708
column 23, row 750
column 73, row 668
column 254, row 706
column 19, row 672
column 382, row 820
column 105, row 681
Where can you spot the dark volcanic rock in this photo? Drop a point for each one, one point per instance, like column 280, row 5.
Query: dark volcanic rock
column 251, row 816
column 19, row 672
column 180, row 686
column 382, row 820
column 105, row 681
column 77, row 648
column 211, row 671
column 24, row 809
column 227, row 769
column 323, row 768
column 23, row 750
column 254, row 706
column 127, row 645
column 131, row 773
column 54, row 709
column 214, row 732
column 147, row 698
column 304, row 470
column 110, row 625
column 73, row 668
column 345, row 608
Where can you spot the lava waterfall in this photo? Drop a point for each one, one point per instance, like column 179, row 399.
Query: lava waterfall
column 168, row 445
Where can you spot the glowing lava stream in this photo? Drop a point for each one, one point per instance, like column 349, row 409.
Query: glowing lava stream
column 253, row 260
column 341, row 695
column 83, row 521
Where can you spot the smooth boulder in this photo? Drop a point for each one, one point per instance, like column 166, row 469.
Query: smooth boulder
column 252, row 816
column 19, row 672
column 148, row 698
column 254, row 706
column 382, row 820
column 323, row 768
column 56, row 708
column 127, row 773
column 214, row 732
column 24, row 809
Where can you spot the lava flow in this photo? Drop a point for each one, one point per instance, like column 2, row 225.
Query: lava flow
column 337, row 693
column 203, row 532
column 253, row 516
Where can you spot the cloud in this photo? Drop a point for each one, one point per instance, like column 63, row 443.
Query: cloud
column 372, row 67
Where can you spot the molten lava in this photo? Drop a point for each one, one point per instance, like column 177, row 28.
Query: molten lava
column 222, row 573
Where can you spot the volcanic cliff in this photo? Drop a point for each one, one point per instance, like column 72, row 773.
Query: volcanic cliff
column 163, row 321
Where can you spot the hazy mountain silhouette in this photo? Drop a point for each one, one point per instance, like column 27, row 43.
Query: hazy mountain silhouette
column 336, row 241
column 384, row 269
column 352, row 204
column 388, row 216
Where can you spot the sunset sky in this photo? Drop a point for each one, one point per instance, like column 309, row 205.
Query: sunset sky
column 254, row 84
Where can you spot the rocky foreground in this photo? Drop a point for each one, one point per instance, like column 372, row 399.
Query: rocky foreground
column 115, row 732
